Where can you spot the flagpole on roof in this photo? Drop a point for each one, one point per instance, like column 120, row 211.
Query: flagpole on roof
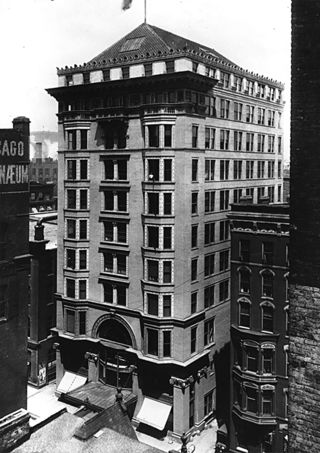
column 145, row 11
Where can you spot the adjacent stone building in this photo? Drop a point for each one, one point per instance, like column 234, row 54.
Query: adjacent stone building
column 158, row 135
column 304, row 351
column 259, row 327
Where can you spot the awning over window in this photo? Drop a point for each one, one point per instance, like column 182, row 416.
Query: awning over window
column 154, row 413
column 71, row 381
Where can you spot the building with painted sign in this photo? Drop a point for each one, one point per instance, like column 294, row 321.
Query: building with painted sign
column 158, row 135
column 14, row 272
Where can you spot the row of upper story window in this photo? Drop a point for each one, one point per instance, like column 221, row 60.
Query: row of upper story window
column 246, row 285
column 161, row 136
column 226, row 79
column 268, row 253
column 260, row 358
column 162, row 169
column 162, row 203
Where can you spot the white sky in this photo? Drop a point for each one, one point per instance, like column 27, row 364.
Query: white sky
column 37, row 36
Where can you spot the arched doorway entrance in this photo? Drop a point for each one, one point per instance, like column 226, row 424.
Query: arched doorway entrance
column 115, row 362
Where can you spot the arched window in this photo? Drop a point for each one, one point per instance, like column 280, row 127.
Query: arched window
column 244, row 312
column 267, row 317
column 267, row 282
column 244, row 280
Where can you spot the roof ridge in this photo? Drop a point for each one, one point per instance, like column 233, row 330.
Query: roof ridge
column 150, row 27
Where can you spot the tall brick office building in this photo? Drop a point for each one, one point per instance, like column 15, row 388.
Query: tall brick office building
column 259, row 327
column 158, row 134
column 14, row 276
column 304, row 355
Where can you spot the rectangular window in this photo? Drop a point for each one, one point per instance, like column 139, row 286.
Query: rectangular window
column 121, row 292
column 237, row 169
column 153, row 270
column 223, row 290
column 194, row 236
column 167, row 170
column 209, row 296
column 83, row 199
column 224, row 260
column 237, row 141
column 271, row 144
column 261, row 140
column 195, row 136
column 194, row 176
column 209, row 169
column 167, row 238
column 71, row 229
column 209, row 265
column 224, row 200
column 209, row 233
column 82, row 322
column 279, row 194
column 271, row 115
column 153, row 304
column 224, row 139
column 279, row 169
column 153, row 170
column 267, row 402
column 260, row 169
column 271, row 194
column 108, row 200
column 224, row 230
column 167, row 136
column 249, row 169
column 167, row 271
column 249, row 141
column 261, row 115
column 209, row 201
column 167, row 343
column 72, row 140
column 83, row 228
column 82, row 289
column 194, row 301
column 194, row 269
column 224, row 169
column 153, row 237
column 122, row 170
column 167, row 306
column 84, row 138
column 252, row 359
column 194, row 203
column 122, row 264
column 71, row 258
column 209, row 332
column 209, row 137
column 108, row 293
column 225, row 78
column 83, row 169
column 267, row 252
column 153, row 342
column 193, row 340
column 279, row 145
column 267, row 361
column 153, row 136
column 208, row 407
column 167, row 203
column 70, row 324
column 224, row 108
column 71, row 288
column 271, row 169
column 83, row 259
column 249, row 114
column 71, row 199
column 153, row 203
column 252, row 400
column 238, row 111
column 244, row 250
column 71, row 169
column 237, row 194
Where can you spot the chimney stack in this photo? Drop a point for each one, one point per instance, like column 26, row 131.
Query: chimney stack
column 38, row 152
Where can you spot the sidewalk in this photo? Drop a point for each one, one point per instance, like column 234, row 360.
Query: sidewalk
column 42, row 403
column 203, row 443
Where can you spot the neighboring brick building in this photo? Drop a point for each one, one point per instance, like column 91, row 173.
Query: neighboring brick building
column 42, row 313
column 304, row 355
column 158, row 135
column 41, row 197
column 259, row 327
column 14, row 271
column 43, row 170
